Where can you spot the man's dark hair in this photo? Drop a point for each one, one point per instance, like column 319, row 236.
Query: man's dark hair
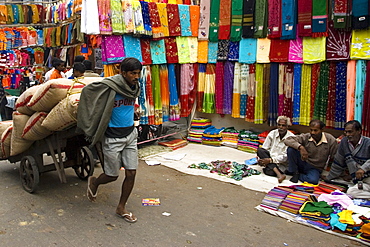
column 56, row 62
column 356, row 124
column 79, row 67
column 130, row 64
column 79, row 59
column 317, row 121
column 88, row 64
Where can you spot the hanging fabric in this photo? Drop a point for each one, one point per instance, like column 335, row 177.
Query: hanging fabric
column 165, row 92
column 204, row 19
column 142, row 99
column 146, row 18
column 340, row 95
column 155, row 20
column 209, row 89
column 360, row 14
column 105, row 23
column 244, row 82
column 158, row 51
column 263, row 50
column 193, row 49
column 187, row 91
column 247, row 51
column 113, row 49
column 289, row 19
column 251, row 93
column 337, row 44
column 214, row 21
column 223, row 50
column 219, row 87
column 305, row 103
column 236, row 20
column 260, row 19
column 297, row 93
column 201, row 86
column 174, row 98
column 366, row 112
column 330, row 110
column 360, row 47
column 138, row 18
column 341, row 13
column 259, row 101
column 132, row 47
column 156, row 85
column 225, row 20
column 228, row 87
column 319, row 18
column 171, row 50
column 351, row 85
column 274, row 19
column 183, row 49
column 279, row 51
column 212, row 52
column 236, row 91
column 202, row 51
column 314, row 50
column 145, row 51
column 248, row 18
column 322, row 93
column 233, row 54
column 304, row 27
column 315, row 72
column 194, row 19
column 274, row 102
column 185, row 20
column 296, row 50
column 128, row 16
column 118, row 23
column 162, row 11
column 359, row 89
column 174, row 25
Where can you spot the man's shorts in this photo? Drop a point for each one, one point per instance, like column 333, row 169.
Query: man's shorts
column 120, row 152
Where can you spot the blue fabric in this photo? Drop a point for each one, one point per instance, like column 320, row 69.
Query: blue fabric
column 132, row 47
column 289, row 19
column 184, row 14
column 334, row 222
column 297, row 92
column 123, row 112
column 212, row 52
column 340, row 95
column 233, row 54
column 248, row 51
column 142, row 96
column 158, row 51
column 274, row 97
column 307, row 173
column 146, row 17
column 360, row 86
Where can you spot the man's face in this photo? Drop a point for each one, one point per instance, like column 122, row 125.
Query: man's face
column 282, row 126
column 352, row 134
column 315, row 131
column 61, row 67
column 132, row 77
column 77, row 73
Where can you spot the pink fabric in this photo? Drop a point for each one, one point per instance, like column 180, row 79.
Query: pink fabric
column 296, row 50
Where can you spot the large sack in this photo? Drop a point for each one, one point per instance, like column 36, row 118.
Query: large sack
column 19, row 144
column 24, row 99
column 4, row 125
column 5, row 142
column 55, row 90
column 33, row 130
column 63, row 115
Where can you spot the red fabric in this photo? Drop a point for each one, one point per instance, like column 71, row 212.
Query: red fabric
column 304, row 27
column 225, row 19
column 174, row 25
column 279, row 50
column 219, row 88
column 155, row 20
column 171, row 50
column 145, row 51
column 251, row 99
column 274, row 19
column 315, row 72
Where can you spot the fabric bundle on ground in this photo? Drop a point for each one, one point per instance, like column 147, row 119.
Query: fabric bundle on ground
column 212, row 136
column 248, row 141
column 230, row 137
column 174, row 144
column 275, row 197
column 293, row 202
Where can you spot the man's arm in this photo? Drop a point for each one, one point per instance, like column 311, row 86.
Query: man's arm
column 297, row 142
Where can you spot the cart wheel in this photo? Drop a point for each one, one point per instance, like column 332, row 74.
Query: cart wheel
column 85, row 163
column 29, row 174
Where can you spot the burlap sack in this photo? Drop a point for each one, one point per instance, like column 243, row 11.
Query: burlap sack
column 33, row 130
column 24, row 98
column 5, row 142
column 54, row 91
column 63, row 115
column 4, row 125
column 19, row 144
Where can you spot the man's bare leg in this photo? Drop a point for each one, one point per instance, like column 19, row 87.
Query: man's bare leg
column 127, row 186
column 280, row 176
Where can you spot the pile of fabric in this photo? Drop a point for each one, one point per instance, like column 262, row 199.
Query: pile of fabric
column 212, row 136
column 230, row 137
column 248, row 141
column 198, row 125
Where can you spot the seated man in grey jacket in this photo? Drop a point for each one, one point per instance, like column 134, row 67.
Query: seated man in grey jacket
column 353, row 153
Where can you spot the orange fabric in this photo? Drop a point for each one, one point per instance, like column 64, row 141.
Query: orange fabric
column 3, row 14
column 194, row 19
column 202, row 51
column 56, row 75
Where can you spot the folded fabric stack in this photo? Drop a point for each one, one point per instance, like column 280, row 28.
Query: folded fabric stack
column 293, row 202
column 262, row 136
column 325, row 188
column 174, row 144
column 248, row 141
column 230, row 137
column 275, row 197
column 212, row 136
column 198, row 125
column 317, row 213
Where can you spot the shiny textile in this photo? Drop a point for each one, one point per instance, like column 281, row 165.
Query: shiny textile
column 305, row 104
column 319, row 18
column 297, row 93
column 143, row 103
column 263, row 50
column 162, row 12
column 165, row 92
column 147, row 72
column 185, row 20
column 105, row 23
column 351, row 84
column 236, row 91
column 296, row 50
column 366, row 111
column 193, row 49
column 260, row 19
column 247, row 51
column 145, row 51
column 138, row 18
column 155, row 20
column 174, row 99
column 233, row 54
column 132, row 47
column 174, row 25
column 285, row 89
column 360, row 14
column 202, row 51
column 244, row 78
column 204, row 19
column 262, row 80
column 330, row 110
column 128, row 15
column 183, row 49
column 212, row 52
column 112, row 47
column 236, row 20
column 359, row 90
column 289, row 19
column 251, row 92
column 209, row 89
column 341, row 12
column 219, row 88
column 225, row 20
column 223, row 49
column 337, row 44
column 274, row 19
column 201, row 86
column 118, row 24
column 360, row 47
column 248, row 18
column 279, row 51
column 156, row 85
column 194, row 19
column 188, row 89
column 214, row 21
column 158, row 51
column 273, row 95
column 304, row 27
column 314, row 50
column 146, row 18
column 322, row 93
column 315, row 72
column 228, row 87
column 340, row 95
column 171, row 50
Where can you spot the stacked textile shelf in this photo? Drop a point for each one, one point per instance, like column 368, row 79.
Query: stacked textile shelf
column 198, row 125
column 230, row 137
column 248, row 141
column 212, row 136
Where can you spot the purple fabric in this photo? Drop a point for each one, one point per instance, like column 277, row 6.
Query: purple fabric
column 228, row 86
column 113, row 48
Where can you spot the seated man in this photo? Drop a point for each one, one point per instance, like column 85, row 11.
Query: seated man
column 309, row 153
column 274, row 150
column 354, row 153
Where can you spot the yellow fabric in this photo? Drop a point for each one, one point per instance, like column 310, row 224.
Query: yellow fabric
column 305, row 105
column 263, row 50
column 202, row 51
column 346, row 217
column 314, row 50
column 235, row 113
column 258, row 107
column 193, row 47
column 360, row 45
column 162, row 12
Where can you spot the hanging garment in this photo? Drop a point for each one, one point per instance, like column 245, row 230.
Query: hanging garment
column 319, row 18
column 360, row 48
column 228, row 87
column 247, row 51
column 330, row 110
column 174, row 99
column 259, row 100
column 297, row 93
column 202, row 51
column 128, row 16
column 219, row 87
column 337, row 44
column 209, row 89
column 321, row 99
column 193, row 49
column 185, row 20
column 204, row 19
column 156, row 85
column 223, row 50
column 188, row 89
column 171, row 50
column 214, row 21
column 233, row 54
column 201, row 86
column 314, row 50
column 279, row 51
column 113, row 48
column 260, row 19
column 138, row 18
column 251, row 93
column 174, row 25
column 366, row 111
column 118, row 23
column 248, row 18
column 132, row 47
column 315, row 72
column 341, row 12
column 359, row 90
column 158, row 51
column 263, row 50
column 212, row 52
column 145, row 51
column 90, row 17
column 244, row 82
column 155, row 20
column 289, row 19
column 162, row 12
column 149, row 94
column 236, row 20
column 225, row 20
column 142, row 99
column 274, row 19
column 296, row 50
column 350, row 94
column 305, row 103
column 304, row 27
column 236, row 91
column 146, row 18
column 274, row 102
column 360, row 14
column 183, row 49
column 194, row 19
column 165, row 92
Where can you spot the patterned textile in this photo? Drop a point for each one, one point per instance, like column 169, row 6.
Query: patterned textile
column 138, row 18
column 128, row 16
column 274, row 19
column 214, row 21
column 183, row 49
column 251, row 92
column 132, row 47
column 248, row 18
column 149, row 94
column 165, row 92
column 260, row 19
column 146, row 18
column 285, row 89
column 188, row 89
column 279, row 51
column 263, row 50
column 113, row 49
column 171, row 50
column 233, row 54
column 184, row 20
column 193, row 49
column 143, row 103
column 289, row 19
column 360, row 86
column 225, row 20
column 297, row 93
column 194, row 19
column 360, row 14
column 236, row 20
column 330, row 110
column 155, row 20
column 366, row 111
column 236, row 91
column 158, row 51
column 201, row 86
column 223, row 49
column 118, row 24
column 315, row 72
column 247, row 51
column 209, row 89
column 145, row 51
column 228, row 86
column 212, row 52
column 204, row 19
column 105, row 22
column 273, row 95
column 319, row 18
column 202, row 51
column 341, row 12
column 314, row 50
column 360, row 47
column 322, row 93
column 337, row 44
column 162, row 12
column 156, row 85
column 351, row 84
column 174, row 25
column 219, row 88
column 340, row 95
column 305, row 104
column 304, row 27
column 244, row 78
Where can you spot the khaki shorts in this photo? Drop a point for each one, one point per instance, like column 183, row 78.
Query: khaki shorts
column 120, row 152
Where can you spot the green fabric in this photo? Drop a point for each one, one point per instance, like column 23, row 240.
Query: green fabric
column 321, row 207
column 156, row 86
column 96, row 105
column 236, row 20
column 321, row 101
column 260, row 19
column 214, row 19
